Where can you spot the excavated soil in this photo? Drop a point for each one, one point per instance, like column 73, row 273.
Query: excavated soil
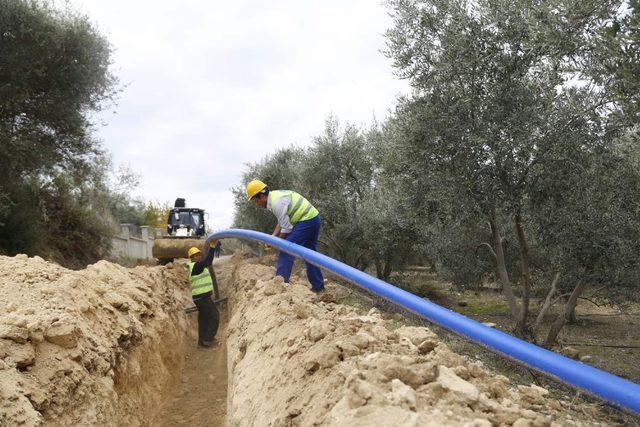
column 296, row 359
column 101, row 346
column 110, row 345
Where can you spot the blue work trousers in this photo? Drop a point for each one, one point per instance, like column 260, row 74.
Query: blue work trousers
column 304, row 233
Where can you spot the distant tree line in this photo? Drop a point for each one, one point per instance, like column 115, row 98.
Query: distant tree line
column 515, row 157
column 59, row 195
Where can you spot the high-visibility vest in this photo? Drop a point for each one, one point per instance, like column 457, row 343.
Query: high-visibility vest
column 300, row 208
column 200, row 283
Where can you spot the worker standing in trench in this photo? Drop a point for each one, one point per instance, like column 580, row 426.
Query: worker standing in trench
column 298, row 222
column 201, row 291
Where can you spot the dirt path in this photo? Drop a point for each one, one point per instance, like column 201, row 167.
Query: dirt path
column 201, row 396
column 200, row 399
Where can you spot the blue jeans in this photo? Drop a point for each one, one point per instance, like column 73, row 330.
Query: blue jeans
column 304, row 233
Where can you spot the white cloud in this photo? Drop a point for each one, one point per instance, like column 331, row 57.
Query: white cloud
column 210, row 86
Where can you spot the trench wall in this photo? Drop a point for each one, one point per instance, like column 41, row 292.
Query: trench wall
column 99, row 346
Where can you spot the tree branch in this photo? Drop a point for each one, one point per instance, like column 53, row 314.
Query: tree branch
column 493, row 253
column 547, row 302
column 591, row 301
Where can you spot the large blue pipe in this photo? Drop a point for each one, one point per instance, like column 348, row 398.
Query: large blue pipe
column 611, row 388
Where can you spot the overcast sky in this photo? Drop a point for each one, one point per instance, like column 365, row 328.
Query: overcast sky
column 208, row 86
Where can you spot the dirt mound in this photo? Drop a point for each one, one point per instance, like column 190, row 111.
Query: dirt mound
column 96, row 346
column 241, row 255
column 103, row 346
column 297, row 360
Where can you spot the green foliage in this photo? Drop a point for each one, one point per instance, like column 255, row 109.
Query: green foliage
column 53, row 194
column 500, row 131
column 156, row 214
column 336, row 175
column 515, row 157
column 61, row 218
column 610, row 56
column 589, row 224
column 365, row 223
column 55, row 70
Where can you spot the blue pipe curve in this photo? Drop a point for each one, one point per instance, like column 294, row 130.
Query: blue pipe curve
column 618, row 391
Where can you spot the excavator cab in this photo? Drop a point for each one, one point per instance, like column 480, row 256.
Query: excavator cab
column 185, row 229
column 185, row 222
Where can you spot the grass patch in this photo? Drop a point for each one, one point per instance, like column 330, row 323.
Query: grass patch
column 395, row 321
column 486, row 307
column 353, row 301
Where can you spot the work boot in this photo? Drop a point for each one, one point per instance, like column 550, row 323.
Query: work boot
column 208, row 344
column 323, row 295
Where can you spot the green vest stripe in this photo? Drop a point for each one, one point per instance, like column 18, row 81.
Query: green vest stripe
column 200, row 283
column 300, row 208
column 302, row 213
column 294, row 207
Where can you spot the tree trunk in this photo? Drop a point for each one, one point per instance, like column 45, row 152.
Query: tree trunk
column 387, row 271
column 524, row 252
column 547, row 302
column 564, row 315
column 526, row 275
column 501, row 266
column 378, row 268
column 432, row 267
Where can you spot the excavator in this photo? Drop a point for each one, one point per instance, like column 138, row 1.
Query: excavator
column 185, row 228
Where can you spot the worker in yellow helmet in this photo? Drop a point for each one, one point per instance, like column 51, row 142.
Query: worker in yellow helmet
column 298, row 222
column 201, row 291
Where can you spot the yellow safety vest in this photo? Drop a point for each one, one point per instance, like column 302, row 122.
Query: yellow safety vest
column 200, row 283
column 300, row 208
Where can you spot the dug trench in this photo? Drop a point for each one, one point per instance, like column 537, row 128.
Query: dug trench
column 106, row 345
column 112, row 346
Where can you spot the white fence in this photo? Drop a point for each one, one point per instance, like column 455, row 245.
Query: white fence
column 133, row 245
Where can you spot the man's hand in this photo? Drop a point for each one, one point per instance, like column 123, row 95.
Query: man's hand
column 215, row 245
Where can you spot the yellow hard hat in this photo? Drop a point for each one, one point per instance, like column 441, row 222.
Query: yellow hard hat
column 193, row 250
column 254, row 187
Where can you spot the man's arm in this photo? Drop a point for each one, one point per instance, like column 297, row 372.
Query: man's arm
column 278, row 232
column 199, row 266
column 280, row 210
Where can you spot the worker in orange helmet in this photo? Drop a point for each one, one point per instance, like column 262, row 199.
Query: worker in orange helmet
column 298, row 222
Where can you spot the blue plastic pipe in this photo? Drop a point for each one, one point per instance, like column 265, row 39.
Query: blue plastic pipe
column 604, row 385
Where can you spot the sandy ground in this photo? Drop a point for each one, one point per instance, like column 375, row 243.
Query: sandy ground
column 99, row 346
column 200, row 398
column 295, row 359
column 111, row 346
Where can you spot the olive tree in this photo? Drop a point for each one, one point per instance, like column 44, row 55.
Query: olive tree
column 336, row 176
column 493, row 103
column 54, row 72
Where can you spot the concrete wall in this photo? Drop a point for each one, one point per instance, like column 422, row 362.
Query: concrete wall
column 129, row 244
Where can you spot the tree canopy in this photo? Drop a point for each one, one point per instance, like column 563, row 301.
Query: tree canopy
column 514, row 157
column 57, row 197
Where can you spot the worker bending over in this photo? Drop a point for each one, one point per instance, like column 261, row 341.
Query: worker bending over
column 298, row 222
column 201, row 291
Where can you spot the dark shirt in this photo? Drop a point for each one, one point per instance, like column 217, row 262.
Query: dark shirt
column 199, row 266
column 201, row 296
